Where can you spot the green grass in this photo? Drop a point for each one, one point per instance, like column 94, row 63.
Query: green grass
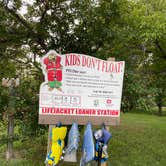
column 20, row 162
column 140, row 140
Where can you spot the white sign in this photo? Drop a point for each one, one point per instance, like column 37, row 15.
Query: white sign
column 81, row 85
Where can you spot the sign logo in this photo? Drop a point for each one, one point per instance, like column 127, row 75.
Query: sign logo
column 109, row 101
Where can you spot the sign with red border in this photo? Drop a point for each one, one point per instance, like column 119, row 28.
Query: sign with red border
column 78, row 85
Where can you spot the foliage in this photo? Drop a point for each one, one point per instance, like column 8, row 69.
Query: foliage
column 133, row 31
column 142, row 34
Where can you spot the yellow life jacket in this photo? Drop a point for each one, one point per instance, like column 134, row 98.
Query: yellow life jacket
column 57, row 139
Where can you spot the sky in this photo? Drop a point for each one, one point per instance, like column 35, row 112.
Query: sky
column 23, row 9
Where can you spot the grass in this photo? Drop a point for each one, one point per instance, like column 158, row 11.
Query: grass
column 140, row 140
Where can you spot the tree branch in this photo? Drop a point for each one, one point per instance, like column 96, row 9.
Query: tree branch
column 160, row 48
column 45, row 10
column 28, row 26
column 20, row 19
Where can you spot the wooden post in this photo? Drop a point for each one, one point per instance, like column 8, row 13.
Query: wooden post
column 10, row 83
column 9, row 152
column 104, row 164
column 107, row 127
column 111, row 59
column 49, row 140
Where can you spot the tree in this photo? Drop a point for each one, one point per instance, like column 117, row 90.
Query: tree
column 61, row 25
column 140, row 34
column 126, row 30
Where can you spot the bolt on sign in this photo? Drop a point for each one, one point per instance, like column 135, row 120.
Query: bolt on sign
column 80, row 88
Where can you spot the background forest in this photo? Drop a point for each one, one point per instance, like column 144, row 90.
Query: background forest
column 133, row 31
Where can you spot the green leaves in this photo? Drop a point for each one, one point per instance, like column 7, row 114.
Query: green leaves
column 126, row 30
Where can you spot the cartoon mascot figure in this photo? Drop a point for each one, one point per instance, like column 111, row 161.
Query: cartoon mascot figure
column 54, row 70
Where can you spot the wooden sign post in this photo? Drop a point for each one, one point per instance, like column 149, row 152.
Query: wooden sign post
column 80, row 88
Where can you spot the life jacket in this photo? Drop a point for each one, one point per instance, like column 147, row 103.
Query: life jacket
column 102, row 138
column 72, row 145
column 57, row 139
column 54, row 75
column 88, row 146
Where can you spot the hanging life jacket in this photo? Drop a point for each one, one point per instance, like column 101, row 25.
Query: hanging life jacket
column 88, row 146
column 57, row 144
column 73, row 142
column 102, row 138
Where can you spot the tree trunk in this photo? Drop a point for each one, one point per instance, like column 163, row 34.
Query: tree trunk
column 159, row 104
column 160, row 109
column 9, row 152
